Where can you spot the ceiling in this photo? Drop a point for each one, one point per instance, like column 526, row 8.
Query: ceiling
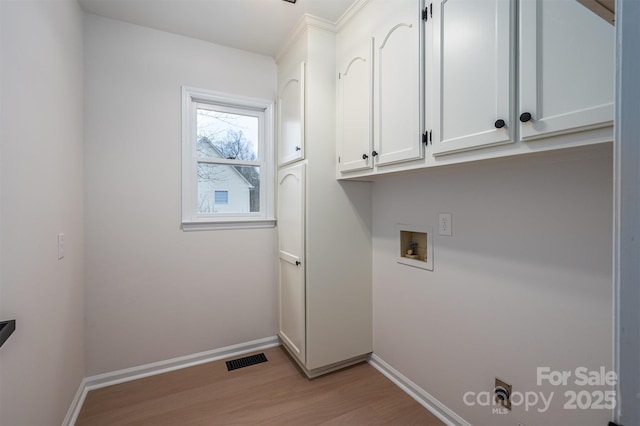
column 258, row 26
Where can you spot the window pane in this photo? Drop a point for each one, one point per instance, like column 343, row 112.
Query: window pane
column 228, row 189
column 227, row 135
column 221, row 197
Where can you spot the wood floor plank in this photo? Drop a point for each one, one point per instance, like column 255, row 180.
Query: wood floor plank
column 175, row 382
column 271, row 393
column 218, row 393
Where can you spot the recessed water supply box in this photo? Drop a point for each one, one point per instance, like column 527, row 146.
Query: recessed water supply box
column 415, row 246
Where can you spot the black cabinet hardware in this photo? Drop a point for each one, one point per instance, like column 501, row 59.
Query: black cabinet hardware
column 525, row 116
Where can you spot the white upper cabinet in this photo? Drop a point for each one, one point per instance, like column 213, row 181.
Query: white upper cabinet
column 566, row 68
column 291, row 117
column 398, row 81
column 481, row 78
column 355, row 108
column 473, row 100
column 565, row 56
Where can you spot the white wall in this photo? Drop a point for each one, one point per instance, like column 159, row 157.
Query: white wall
column 525, row 280
column 154, row 292
column 42, row 363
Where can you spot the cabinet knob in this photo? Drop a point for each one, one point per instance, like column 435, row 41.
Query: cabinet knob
column 525, row 116
column 297, row 263
column 365, row 156
column 297, row 148
column 500, row 123
column 374, row 154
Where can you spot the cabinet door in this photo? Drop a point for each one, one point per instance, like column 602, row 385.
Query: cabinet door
column 291, row 223
column 355, row 109
column 566, row 68
column 474, row 75
column 398, row 82
column 291, row 118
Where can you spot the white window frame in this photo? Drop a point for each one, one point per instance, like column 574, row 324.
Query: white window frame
column 191, row 219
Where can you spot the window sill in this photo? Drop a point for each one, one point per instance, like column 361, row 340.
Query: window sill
column 231, row 224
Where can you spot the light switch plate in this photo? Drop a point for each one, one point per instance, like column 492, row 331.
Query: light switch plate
column 60, row 246
column 444, row 224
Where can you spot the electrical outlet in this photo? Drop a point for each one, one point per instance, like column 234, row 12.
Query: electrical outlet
column 502, row 393
column 444, row 224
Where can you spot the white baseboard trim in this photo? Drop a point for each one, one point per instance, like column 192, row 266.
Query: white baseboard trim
column 441, row 411
column 76, row 404
column 152, row 369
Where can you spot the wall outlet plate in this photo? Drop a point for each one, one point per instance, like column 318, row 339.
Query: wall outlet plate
column 444, row 224
column 502, row 393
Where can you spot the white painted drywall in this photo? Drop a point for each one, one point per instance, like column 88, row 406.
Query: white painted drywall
column 525, row 280
column 154, row 292
column 42, row 363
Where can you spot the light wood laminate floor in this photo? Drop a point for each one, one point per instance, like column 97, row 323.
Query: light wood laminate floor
column 271, row 393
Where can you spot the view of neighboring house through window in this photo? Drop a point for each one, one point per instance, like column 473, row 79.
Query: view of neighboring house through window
column 227, row 155
column 225, row 134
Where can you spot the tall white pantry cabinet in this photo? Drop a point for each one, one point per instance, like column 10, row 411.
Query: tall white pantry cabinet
column 325, row 319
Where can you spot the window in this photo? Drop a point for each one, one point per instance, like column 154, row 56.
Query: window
column 227, row 161
column 221, row 197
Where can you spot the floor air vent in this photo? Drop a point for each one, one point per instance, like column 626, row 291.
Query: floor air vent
column 246, row 361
